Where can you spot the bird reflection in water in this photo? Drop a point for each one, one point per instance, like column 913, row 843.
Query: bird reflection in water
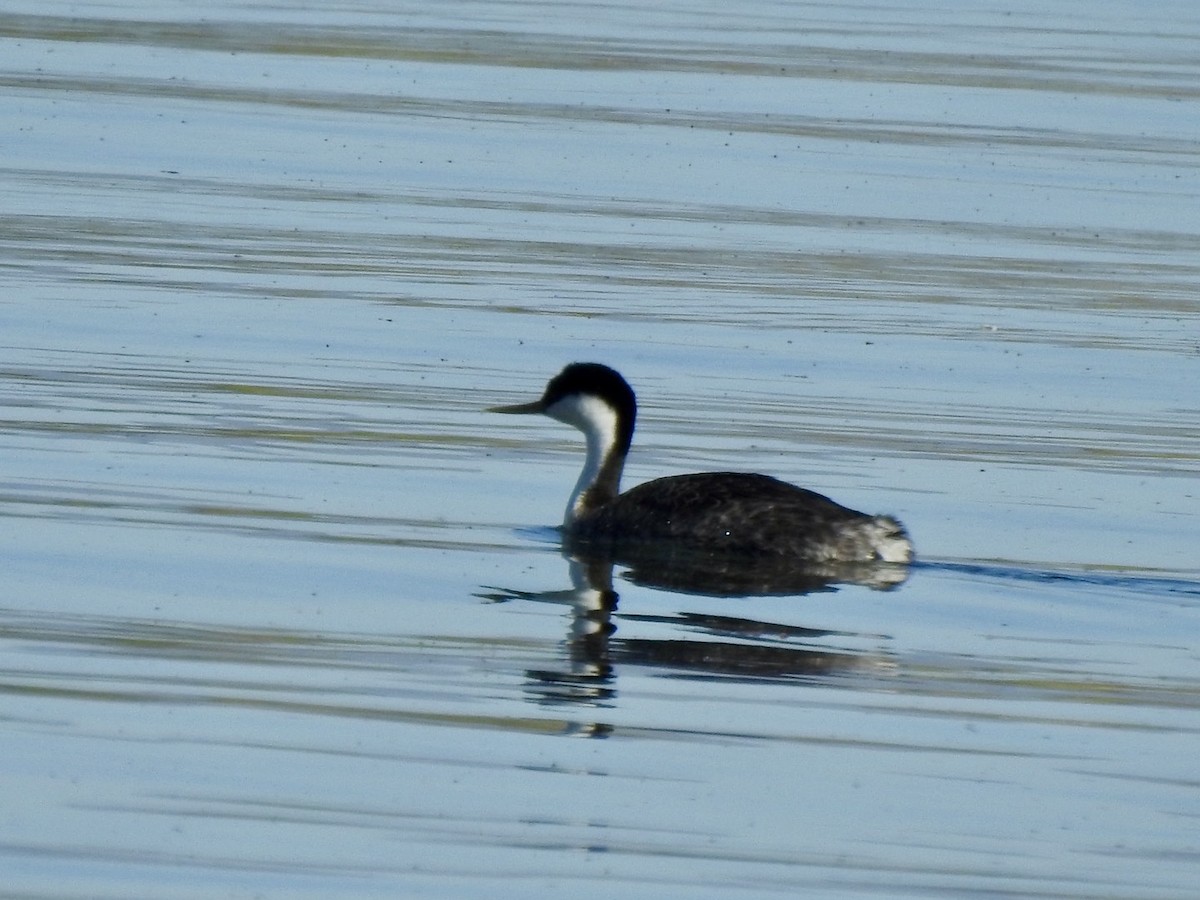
column 733, row 648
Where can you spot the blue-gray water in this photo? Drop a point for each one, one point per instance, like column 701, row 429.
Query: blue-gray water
column 280, row 612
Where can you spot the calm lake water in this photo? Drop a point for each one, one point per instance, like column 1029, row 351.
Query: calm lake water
column 283, row 613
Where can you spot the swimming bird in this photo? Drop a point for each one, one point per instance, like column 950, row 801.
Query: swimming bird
column 725, row 513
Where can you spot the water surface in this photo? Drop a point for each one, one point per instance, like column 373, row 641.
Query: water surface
column 283, row 614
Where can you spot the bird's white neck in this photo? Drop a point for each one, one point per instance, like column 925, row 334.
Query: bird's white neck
column 600, row 480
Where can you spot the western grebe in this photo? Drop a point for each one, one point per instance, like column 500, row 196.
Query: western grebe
column 735, row 513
